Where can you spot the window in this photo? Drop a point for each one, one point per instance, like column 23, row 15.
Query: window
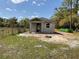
column 47, row 25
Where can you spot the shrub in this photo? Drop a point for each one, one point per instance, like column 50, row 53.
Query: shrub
column 66, row 30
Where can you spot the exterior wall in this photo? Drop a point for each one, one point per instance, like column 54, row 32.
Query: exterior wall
column 32, row 27
column 48, row 30
column 43, row 28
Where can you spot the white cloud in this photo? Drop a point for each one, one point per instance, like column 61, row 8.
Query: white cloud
column 34, row 16
column 34, row 2
column 8, row 9
column 18, row 1
column 39, row 2
column 20, row 16
column 5, row 17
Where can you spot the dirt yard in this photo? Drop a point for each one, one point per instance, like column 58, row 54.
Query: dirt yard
column 58, row 38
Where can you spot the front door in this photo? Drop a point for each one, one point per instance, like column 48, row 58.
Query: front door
column 38, row 27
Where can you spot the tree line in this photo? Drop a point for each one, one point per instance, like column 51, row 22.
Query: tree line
column 13, row 22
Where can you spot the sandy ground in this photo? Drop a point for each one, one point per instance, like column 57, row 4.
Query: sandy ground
column 58, row 38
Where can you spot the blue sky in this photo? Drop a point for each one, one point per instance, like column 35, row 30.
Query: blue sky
column 28, row 8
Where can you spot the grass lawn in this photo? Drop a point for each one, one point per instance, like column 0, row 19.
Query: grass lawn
column 14, row 47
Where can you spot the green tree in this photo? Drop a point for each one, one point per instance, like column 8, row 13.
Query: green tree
column 12, row 22
column 1, row 22
column 24, row 22
column 66, row 15
column 35, row 19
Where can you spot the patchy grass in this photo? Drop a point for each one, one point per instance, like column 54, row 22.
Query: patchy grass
column 14, row 47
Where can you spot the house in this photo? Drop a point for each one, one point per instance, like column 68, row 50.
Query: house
column 43, row 26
